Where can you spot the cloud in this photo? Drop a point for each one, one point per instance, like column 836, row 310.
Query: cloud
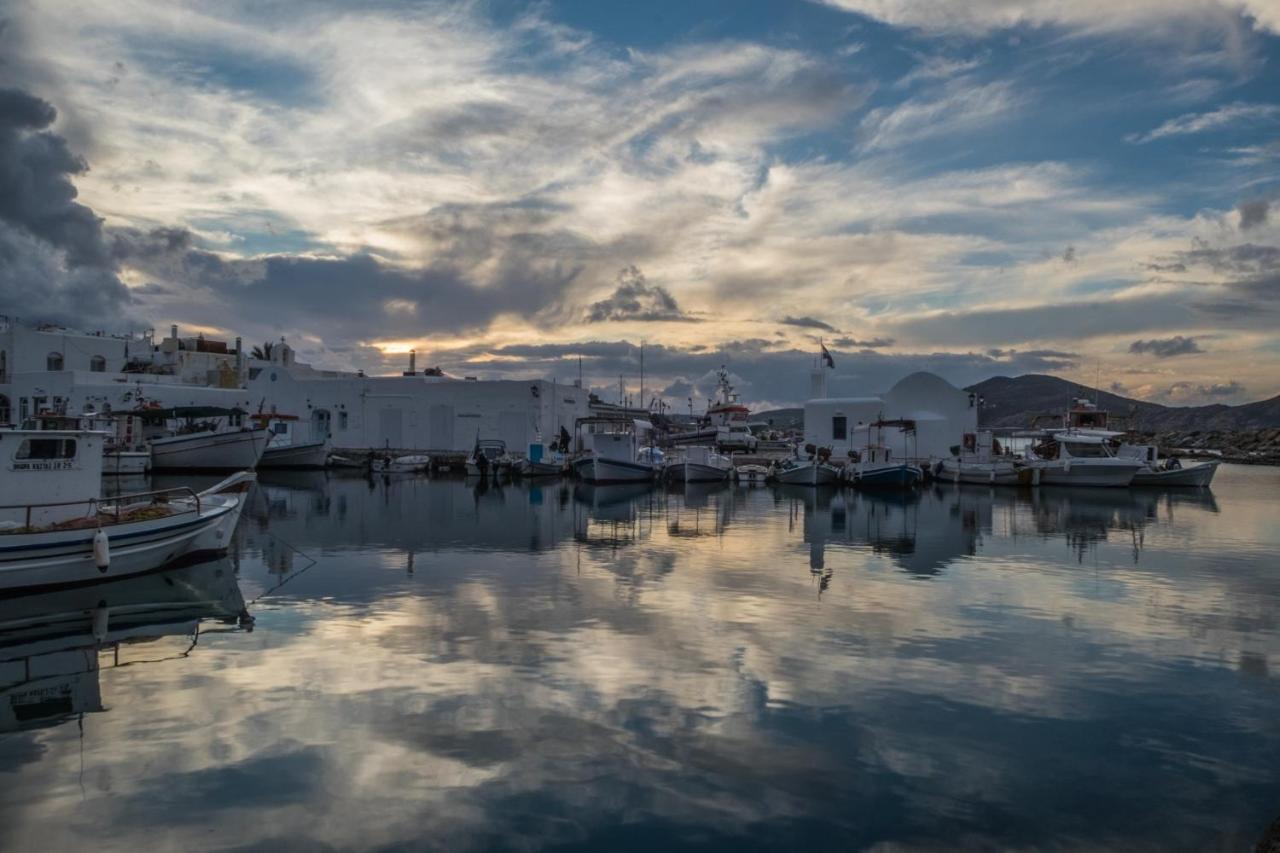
column 54, row 260
column 869, row 343
column 634, row 298
column 807, row 323
column 1226, row 116
column 1141, row 17
column 959, row 106
column 1166, row 347
column 1190, row 393
column 1253, row 213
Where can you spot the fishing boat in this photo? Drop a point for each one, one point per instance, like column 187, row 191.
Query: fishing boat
column 541, row 461
column 64, row 534
column 412, row 463
column 206, row 439
column 751, row 474
column 1169, row 471
column 122, row 454
column 813, row 470
column 1077, row 458
column 287, row 447
column 618, row 451
column 699, row 465
column 979, row 459
column 874, row 467
column 486, row 457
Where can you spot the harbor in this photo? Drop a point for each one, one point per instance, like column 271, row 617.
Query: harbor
column 408, row 661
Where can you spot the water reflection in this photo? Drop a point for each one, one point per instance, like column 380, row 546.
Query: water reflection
column 52, row 644
column 439, row 665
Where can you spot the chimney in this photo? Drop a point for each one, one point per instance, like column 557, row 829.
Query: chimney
column 173, row 331
column 413, row 361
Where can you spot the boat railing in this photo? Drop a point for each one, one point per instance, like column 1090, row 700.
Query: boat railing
column 95, row 506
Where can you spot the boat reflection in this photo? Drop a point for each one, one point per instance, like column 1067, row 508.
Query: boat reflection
column 924, row 532
column 52, row 645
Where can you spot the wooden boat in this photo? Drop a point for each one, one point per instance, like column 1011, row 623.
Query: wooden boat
column 64, row 534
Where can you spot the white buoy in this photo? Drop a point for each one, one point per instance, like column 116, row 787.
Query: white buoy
column 101, row 550
column 100, row 614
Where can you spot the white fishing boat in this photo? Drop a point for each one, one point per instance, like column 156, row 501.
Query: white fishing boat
column 1074, row 458
column 412, row 463
column 751, row 474
column 1169, row 471
column 618, row 451
column 699, row 465
column 63, row 533
column 122, row 454
column 541, row 461
column 203, row 439
column 979, row 459
column 288, row 446
column 813, row 471
column 486, row 457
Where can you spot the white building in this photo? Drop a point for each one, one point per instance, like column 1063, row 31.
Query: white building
column 45, row 367
column 942, row 414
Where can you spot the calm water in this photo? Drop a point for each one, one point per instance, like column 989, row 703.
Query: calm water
column 414, row 664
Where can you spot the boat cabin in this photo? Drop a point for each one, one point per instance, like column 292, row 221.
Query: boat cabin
column 1085, row 414
column 56, row 474
column 1065, row 445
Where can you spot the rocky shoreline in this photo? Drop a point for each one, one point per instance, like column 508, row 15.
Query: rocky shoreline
column 1248, row 447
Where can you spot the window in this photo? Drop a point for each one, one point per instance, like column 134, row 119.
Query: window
column 54, row 361
column 279, row 428
column 839, row 428
column 98, row 364
column 4, row 366
column 4, row 409
column 24, row 409
column 47, row 448
column 342, row 420
column 1085, row 451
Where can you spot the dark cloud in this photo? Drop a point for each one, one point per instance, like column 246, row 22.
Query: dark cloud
column 1166, row 347
column 1069, row 255
column 1253, row 213
column 635, row 299
column 870, row 343
column 55, row 263
column 807, row 323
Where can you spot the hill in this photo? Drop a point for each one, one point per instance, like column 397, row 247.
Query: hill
column 1013, row 402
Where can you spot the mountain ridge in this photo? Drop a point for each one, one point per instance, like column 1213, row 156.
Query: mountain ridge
column 1014, row 401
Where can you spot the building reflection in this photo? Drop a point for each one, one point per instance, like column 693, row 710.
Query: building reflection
column 924, row 532
column 53, row 645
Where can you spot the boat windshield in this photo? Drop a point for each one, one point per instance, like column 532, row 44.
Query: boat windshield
column 1081, row 450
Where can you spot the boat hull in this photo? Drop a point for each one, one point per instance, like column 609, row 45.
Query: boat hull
column 1077, row 474
column 65, row 558
column 695, row 472
column 887, row 477
column 618, row 471
column 529, row 468
column 982, row 473
column 1193, row 476
column 312, row 454
column 751, row 473
column 209, row 451
column 809, row 474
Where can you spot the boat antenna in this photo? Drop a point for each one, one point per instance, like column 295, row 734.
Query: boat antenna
column 642, row 403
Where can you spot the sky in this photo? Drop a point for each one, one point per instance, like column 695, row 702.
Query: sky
column 972, row 187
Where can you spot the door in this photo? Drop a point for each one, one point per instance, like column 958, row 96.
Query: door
column 440, row 427
column 320, row 421
column 391, row 427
